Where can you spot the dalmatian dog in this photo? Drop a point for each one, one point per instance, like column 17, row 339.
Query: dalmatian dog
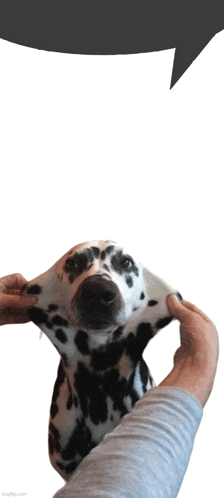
column 100, row 308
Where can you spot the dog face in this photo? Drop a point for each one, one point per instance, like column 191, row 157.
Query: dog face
column 99, row 288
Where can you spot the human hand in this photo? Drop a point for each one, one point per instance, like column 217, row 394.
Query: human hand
column 13, row 306
column 195, row 361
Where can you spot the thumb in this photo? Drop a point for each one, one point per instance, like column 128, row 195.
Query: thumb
column 177, row 308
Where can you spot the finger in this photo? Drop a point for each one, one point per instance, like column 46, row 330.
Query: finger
column 13, row 316
column 14, row 281
column 194, row 308
column 13, row 292
column 176, row 308
column 15, row 301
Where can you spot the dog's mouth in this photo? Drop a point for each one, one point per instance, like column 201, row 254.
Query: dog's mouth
column 97, row 303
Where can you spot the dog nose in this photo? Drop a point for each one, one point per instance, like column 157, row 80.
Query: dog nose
column 94, row 294
column 97, row 302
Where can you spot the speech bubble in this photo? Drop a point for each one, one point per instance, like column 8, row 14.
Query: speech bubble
column 110, row 27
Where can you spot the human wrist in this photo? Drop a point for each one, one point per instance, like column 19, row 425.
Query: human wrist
column 193, row 376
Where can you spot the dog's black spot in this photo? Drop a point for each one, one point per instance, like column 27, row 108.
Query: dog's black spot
column 142, row 296
column 179, row 296
column 106, row 268
column 77, row 264
column 135, row 309
column 81, row 341
column 107, row 356
column 34, row 289
column 152, row 302
column 52, row 307
column 70, row 468
column 69, row 402
column 53, row 410
column 38, row 316
column 65, row 359
column 60, row 465
column 51, row 444
column 59, row 381
column 61, row 336
column 116, row 262
column 118, row 332
column 88, row 386
column 96, row 251
column 136, row 343
column 103, row 255
column 80, row 442
column 55, row 436
column 144, row 374
column 109, row 249
column 106, row 251
column 162, row 322
column 58, row 320
column 129, row 281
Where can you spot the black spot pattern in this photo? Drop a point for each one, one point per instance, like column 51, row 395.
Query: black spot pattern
column 107, row 356
column 69, row 402
column 65, row 359
column 34, row 289
column 38, row 316
column 106, row 251
column 52, row 307
column 96, row 251
column 59, row 381
column 116, row 262
column 80, row 442
column 118, row 332
column 135, row 344
column 162, row 322
column 152, row 302
column 58, row 320
column 106, row 268
column 142, row 296
column 144, row 374
column 53, row 410
column 93, row 390
column 53, row 441
column 129, row 281
column 80, row 262
column 60, row 465
column 61, row 336
column 179, row 296
column 81, row 341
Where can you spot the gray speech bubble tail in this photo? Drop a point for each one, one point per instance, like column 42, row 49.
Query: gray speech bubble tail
column 186, row 54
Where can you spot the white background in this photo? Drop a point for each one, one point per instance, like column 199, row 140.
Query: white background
column 99, row 147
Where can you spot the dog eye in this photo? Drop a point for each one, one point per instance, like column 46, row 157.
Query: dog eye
column 126, row 262
column 71, row 264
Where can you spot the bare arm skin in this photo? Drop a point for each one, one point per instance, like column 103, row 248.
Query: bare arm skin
column 195, row 361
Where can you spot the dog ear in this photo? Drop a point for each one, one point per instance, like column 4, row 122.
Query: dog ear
column 156, row 291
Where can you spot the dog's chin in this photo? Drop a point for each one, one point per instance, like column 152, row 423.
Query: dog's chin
column 97, row 324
